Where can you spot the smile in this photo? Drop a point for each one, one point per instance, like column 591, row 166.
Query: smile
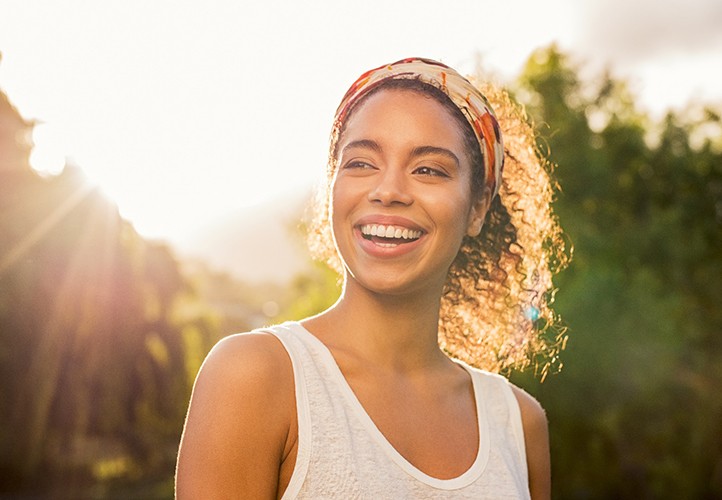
column 389, row 235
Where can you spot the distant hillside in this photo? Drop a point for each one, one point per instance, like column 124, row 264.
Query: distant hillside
column 256, row 244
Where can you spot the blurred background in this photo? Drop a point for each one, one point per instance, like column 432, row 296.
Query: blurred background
column 156, row 159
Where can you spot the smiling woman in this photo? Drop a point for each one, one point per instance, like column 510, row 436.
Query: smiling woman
column 445, row 264
column 402, row 166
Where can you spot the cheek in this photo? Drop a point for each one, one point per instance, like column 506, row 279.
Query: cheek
column 338, row 206
column 344, row 194
column 335, row 197
column 453, row 207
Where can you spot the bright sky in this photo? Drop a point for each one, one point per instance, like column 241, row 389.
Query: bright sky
column 183, row 111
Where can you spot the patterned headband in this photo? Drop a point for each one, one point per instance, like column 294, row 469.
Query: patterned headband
column 472, row 103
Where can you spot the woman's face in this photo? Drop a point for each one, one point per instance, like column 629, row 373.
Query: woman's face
column 401, row 198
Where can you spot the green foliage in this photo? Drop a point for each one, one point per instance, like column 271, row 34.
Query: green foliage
column 93, row 351
column 312, row 292
column 636, row 412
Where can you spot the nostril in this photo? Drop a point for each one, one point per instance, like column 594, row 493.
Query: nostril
column 390, row 196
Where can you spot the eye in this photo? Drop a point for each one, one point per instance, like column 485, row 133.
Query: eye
column 430, row 171
column 358, row 164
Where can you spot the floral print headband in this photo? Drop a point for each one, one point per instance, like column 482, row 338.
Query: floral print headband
column 472, row 103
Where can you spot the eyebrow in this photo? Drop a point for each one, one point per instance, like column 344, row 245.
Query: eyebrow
column 362, row 143
column 418, row 151
column 434, row 150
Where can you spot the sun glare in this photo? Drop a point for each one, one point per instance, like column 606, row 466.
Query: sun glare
column 48, row 155
column 161, row 202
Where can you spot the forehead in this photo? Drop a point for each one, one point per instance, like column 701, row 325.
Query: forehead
column 403, row 115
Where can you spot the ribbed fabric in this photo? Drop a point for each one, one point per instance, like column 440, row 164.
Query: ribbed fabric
column 343, row 455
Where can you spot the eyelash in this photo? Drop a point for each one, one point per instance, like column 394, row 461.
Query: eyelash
column 358, row 164
column 433, row 172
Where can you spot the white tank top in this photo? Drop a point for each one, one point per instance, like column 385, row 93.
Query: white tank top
column 343, row 455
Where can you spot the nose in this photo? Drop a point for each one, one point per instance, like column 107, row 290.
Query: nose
column 390, row 189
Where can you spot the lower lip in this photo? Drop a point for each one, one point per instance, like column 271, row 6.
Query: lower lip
column 386, row 252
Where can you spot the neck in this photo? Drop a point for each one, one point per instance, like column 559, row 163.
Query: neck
column 398, row 332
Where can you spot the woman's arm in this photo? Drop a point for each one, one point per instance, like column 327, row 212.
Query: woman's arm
column 536, row 440
column 238, row 428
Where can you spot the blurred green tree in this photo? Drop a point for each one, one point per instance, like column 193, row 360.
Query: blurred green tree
column 636, row 411
column 94, row 354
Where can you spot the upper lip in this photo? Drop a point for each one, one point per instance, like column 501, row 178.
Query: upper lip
column 389, row 220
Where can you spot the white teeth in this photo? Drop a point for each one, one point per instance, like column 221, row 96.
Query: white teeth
column 390, row 231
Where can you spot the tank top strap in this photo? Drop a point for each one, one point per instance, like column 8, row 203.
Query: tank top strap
column 503, row 413
column 303, row 368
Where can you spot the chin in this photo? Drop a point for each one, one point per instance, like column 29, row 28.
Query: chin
column 393, row 285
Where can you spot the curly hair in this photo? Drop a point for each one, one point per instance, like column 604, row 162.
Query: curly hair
column 496, row 305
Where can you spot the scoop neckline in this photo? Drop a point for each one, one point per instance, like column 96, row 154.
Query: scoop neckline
column 461, row 481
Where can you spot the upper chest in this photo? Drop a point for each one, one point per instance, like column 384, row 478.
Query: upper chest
column 433, row 426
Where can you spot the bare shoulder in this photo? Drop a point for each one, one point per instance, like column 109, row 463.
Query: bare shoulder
column 242, row 366
column 235, row 358
column 239, row 420
column 536, row 441
column 532, row 412
column 248, row 373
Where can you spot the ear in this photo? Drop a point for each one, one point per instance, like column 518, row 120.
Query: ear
column 477, row 213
